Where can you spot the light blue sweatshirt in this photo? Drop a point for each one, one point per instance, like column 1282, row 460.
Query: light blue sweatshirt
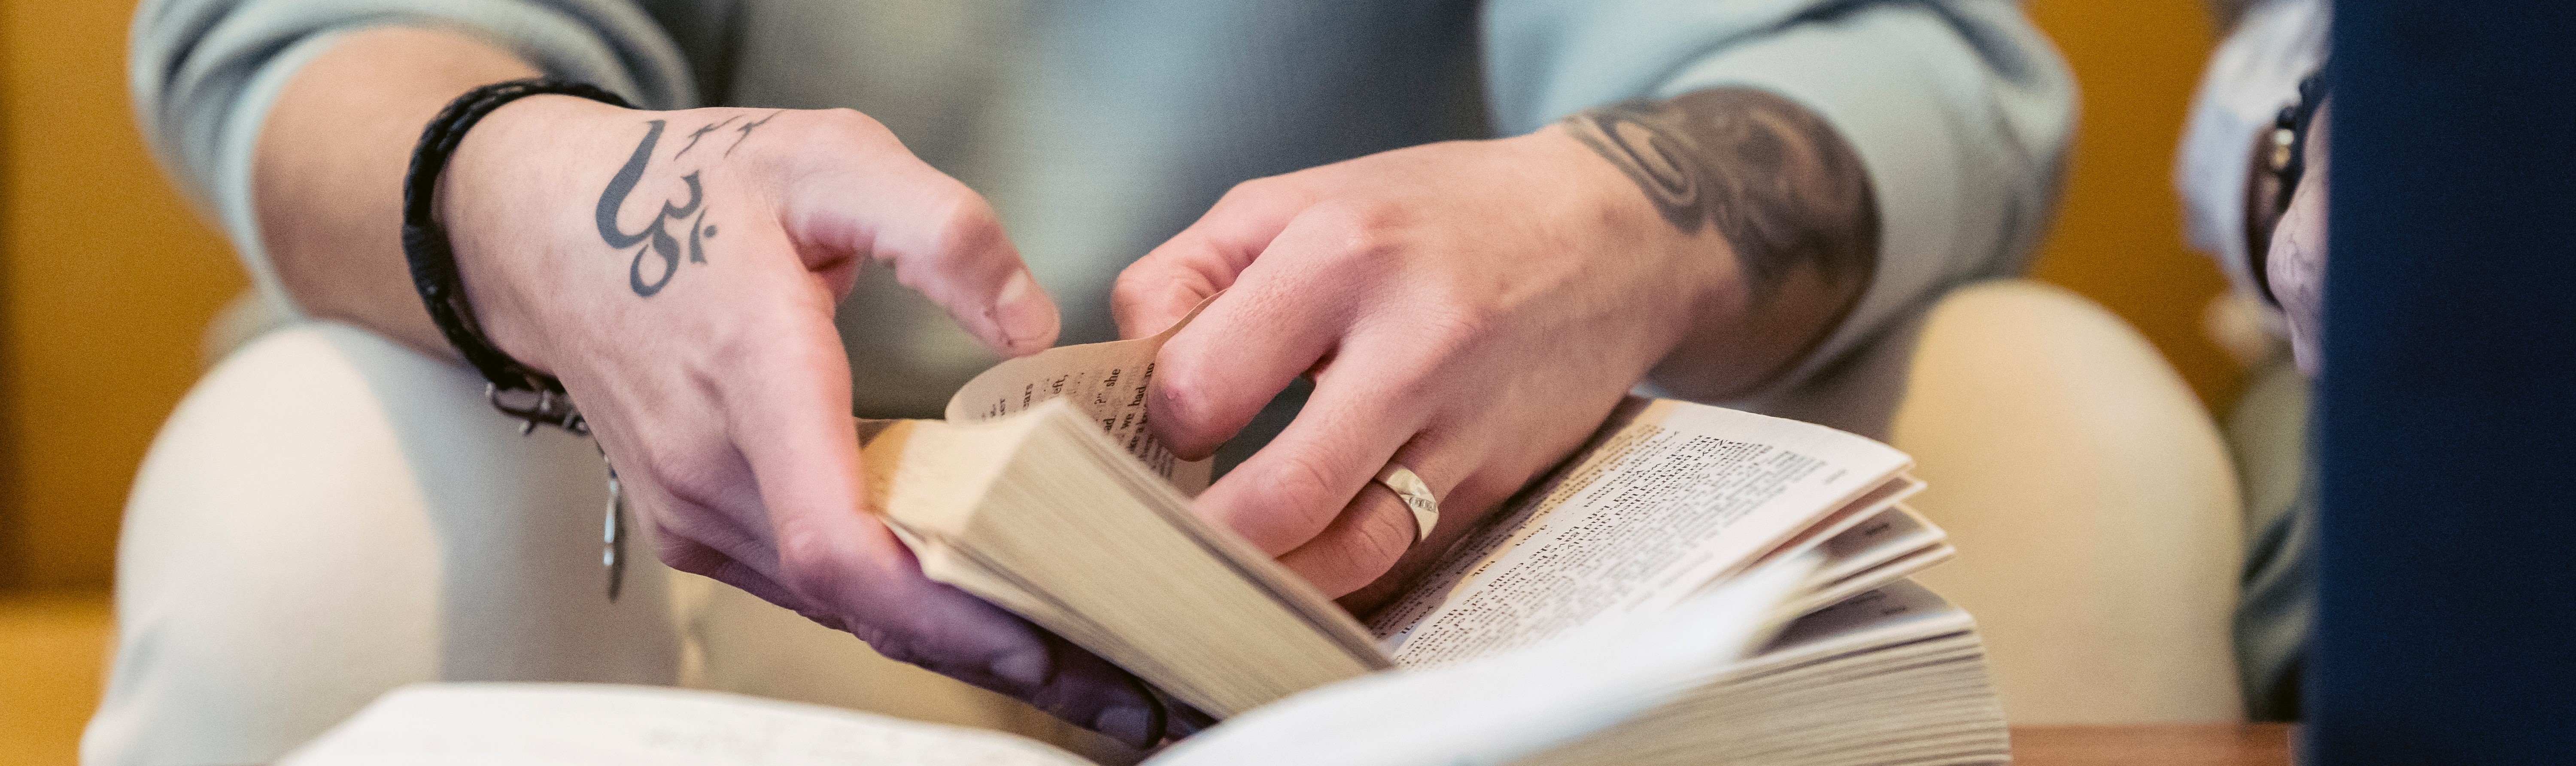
column 1098, row 128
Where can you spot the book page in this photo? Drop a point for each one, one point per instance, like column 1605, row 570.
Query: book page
column 582, row 724
column 1897, row 613
column 1886, row 536
column 1669, row 496
column 1500, row 709
column 1882, row 575
column 1105, row 381
column 1040, row 513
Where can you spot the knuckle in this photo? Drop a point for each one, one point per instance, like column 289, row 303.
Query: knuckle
column 1187, row 400
column 808, row 564
column 810, row 141
column 1448, row 330
column 1128, row 296
column 683, row 554
column 1358, row 227
column 967, row 225
column 1257, row 188
column 1303, row 491
column 1133, row 289
column 682, row 479
column 769, row 336
column 1354, row 240
column 1383, row 535
column 847, row 127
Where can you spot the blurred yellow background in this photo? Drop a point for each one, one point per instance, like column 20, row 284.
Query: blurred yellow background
column 108, row 278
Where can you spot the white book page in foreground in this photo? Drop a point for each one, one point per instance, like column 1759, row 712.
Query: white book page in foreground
column 1105, row 381
column 584, row 724
column 1496, row 710
column 1657, row 508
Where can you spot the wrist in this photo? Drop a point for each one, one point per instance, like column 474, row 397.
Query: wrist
column 433, row 255
column 1769, row 195
column 1684, row 280
column 500, row 202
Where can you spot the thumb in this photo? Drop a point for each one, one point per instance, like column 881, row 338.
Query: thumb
column 942, row 239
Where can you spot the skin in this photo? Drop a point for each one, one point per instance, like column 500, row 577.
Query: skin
column 2295, row 262
column 678, row 271
column 1483, row 304
column 1492, row 300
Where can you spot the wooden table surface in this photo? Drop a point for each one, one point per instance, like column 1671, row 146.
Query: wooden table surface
column 2226, row 744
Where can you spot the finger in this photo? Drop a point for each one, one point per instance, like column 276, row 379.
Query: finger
column 1377, row 531
column 1360, row 544
column 1186, row 720
column 1296, row 487
column 787, row 413
column 1212, row 378
column 1002, row 653
column 713, row 542
column 705, row 561
column 942, row 238
column 834, row 555
column 1160, row 288
column 909, row 618
column 1284, row 315
column 696, row 535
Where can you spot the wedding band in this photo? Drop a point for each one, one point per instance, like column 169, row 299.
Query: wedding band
column 1416, row 496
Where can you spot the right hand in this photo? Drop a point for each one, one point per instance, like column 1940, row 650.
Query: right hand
column 681, row 281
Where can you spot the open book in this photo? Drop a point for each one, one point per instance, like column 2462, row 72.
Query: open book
column 1602, row 616
column 1045, row 493
column 1894, row 676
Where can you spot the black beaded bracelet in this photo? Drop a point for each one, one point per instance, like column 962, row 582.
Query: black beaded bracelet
column 433, row 259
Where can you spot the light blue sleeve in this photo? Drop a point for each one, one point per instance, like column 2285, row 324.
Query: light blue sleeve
column 1960, row 110
column 204, row 72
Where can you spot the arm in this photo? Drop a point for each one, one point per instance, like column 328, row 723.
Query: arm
column 1786, row 194
column 715, row 381
column 1737, row 218
column 329, row 168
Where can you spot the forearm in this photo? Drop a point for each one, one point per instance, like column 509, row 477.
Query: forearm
column 328, row 170
column 1752, row 177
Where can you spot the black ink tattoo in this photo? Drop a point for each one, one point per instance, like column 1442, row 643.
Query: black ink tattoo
column 701, row 133
column 655, row 236
column 746, row 131
column 1770, row 176
column 655, row 239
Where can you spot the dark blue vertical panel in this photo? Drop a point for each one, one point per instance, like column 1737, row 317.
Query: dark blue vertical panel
column 2447, row 441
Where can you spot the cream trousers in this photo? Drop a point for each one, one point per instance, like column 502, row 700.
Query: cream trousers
column 329, row 515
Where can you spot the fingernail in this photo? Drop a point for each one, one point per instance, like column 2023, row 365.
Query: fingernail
column 1025, row 315
column 1133, row 725
column 1027, row 670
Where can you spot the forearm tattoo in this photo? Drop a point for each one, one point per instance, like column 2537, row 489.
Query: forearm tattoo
column 655, row 239
column 1769, row 175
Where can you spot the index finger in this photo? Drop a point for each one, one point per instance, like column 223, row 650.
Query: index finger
column 802, row 446
column 1160, row 288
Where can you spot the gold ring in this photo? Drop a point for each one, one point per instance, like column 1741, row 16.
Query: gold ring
column 1416, row 496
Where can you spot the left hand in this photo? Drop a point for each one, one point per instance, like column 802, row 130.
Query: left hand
column 1471, row 310
column 2296, row 259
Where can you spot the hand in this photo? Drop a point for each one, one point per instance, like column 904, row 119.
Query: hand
column 2295, row 263
column 1473, row 310
column 679, row 271
column 1453, row 321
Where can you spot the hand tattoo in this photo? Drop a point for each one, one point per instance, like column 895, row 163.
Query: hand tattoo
column 701, row 133
column 1768, row 174
column 746, row 131
column 655, row 236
